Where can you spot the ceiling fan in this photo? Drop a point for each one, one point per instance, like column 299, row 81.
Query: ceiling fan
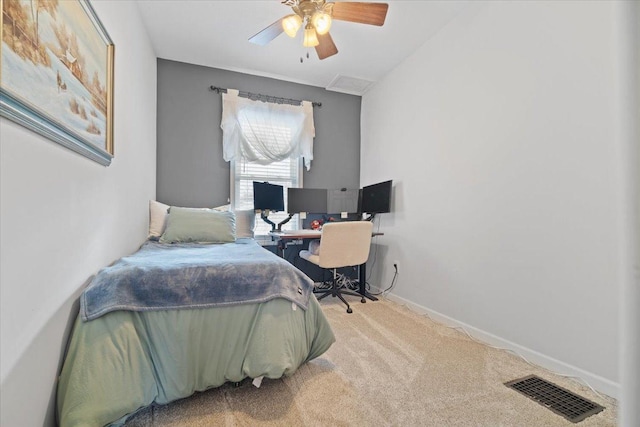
column 316, row 15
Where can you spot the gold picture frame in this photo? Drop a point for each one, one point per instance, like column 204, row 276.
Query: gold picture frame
column 57, row 74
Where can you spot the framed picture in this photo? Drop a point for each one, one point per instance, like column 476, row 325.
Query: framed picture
column 57, row 74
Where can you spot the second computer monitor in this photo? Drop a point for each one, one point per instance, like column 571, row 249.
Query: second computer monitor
column 342, row 201
column 309, row 200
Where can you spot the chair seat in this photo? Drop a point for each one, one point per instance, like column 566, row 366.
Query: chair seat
column 304, row 254
column 342, row 244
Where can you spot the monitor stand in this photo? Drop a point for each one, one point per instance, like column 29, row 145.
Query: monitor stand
column 273, row 225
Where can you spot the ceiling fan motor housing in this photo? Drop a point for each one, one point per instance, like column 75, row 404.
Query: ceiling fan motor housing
column 306, row 8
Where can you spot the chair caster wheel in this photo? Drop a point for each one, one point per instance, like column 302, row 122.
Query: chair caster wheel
column 349, row 310
column 363, row 300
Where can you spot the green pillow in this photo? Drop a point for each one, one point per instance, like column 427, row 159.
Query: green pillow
column 199, row 225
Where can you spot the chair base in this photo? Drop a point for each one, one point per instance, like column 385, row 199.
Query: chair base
column 337, row 292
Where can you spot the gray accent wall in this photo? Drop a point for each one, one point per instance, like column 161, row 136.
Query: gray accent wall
column 190, row 168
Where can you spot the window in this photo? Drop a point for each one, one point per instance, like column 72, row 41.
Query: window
column 265, row 142
column 287, row 172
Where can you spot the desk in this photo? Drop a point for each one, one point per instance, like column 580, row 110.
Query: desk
column 283, row 237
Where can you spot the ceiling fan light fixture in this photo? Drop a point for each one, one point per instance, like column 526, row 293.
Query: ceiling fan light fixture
column 310, row 37
column 291, row 24
column 322, row 22
column 317, row 16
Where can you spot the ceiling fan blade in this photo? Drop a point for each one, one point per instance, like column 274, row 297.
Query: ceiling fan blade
column 268, row 34
column 363, row 13
column 327, row 47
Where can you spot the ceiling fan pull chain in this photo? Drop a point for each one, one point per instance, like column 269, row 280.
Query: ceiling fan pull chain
column 302, row 59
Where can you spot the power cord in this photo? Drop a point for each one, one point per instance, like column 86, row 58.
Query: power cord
column 372, row 264
column 393, row 282
column 342, row 281
column 345, row 281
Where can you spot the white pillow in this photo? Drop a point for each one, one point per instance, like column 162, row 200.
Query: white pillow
column 245, row 222
column 158, row 213
column 223, row 208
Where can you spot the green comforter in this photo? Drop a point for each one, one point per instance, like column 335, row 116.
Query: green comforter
column 124, row 361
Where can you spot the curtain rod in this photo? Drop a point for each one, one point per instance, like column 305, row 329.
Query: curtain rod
column 268, row 98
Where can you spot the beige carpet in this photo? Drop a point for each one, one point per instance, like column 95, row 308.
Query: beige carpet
column 388, row 367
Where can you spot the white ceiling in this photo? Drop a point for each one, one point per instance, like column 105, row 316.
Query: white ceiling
column 215, row 34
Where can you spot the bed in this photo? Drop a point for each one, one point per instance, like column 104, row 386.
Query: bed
column 173, row 319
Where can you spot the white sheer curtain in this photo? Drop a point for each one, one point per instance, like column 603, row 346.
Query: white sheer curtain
column 264, row 132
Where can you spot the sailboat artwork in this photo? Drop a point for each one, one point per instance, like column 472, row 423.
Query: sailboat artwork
column 57, row 74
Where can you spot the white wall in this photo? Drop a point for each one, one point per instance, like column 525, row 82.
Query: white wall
column 63, row 217
column 499, row 134
column 628, row 30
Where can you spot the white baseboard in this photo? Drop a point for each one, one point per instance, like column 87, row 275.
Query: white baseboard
column 600, row 384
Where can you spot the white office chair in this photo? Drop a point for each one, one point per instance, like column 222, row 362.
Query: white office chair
column 342, row 244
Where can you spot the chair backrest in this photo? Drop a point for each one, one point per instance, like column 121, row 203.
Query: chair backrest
column 344, row 244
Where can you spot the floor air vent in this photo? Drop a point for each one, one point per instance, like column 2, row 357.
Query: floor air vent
column 559, row 400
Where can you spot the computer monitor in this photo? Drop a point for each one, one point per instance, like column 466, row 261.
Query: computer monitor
column 268, row 196
column 342, row 200
column 376, row 198
column 309, row 200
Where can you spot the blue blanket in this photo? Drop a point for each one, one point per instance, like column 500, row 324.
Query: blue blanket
column 161, row 277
